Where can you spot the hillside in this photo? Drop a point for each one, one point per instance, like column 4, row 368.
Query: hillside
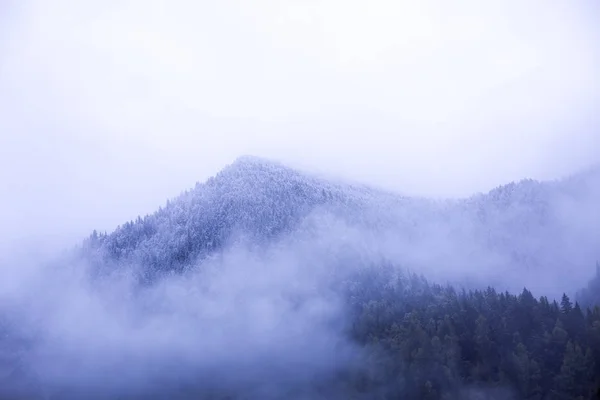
column 265, row 283
column 526, row 233
column 254, row 199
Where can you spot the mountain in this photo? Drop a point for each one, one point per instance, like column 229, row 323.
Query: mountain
column 523, row 233
column 255, row 198
column 266, row 283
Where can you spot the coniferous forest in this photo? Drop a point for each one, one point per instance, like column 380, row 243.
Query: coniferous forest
column 166, row 307
column 435, row 341
column 425, row 341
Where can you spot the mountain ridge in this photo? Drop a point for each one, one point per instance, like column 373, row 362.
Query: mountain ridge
column 520, row 226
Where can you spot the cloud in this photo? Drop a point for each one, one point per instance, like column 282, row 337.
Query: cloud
column 250, row 322
column 110, row 107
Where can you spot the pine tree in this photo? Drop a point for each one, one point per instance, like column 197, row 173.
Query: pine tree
column 565, row 304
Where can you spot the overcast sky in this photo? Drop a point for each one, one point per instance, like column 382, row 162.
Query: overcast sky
column 109, row 107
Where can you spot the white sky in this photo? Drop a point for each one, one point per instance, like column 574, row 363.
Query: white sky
column 109, row 107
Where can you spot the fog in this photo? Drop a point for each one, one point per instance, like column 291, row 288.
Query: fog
column 249, row 321
column 267, row 325
column 109, row 107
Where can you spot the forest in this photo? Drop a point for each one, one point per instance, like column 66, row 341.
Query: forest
column 423, row 341
column 435, row 341
column 427, row 341
column 420, row 341
column 172, row 306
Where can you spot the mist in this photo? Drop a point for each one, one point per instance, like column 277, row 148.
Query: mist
column 252, row 320
column 266, row 324
column 109, row 108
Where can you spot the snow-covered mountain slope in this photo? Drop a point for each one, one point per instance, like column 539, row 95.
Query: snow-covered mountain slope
column 539, row 234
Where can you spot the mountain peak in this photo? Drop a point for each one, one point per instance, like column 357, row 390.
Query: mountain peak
column 251, row 161
column 254, row 169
